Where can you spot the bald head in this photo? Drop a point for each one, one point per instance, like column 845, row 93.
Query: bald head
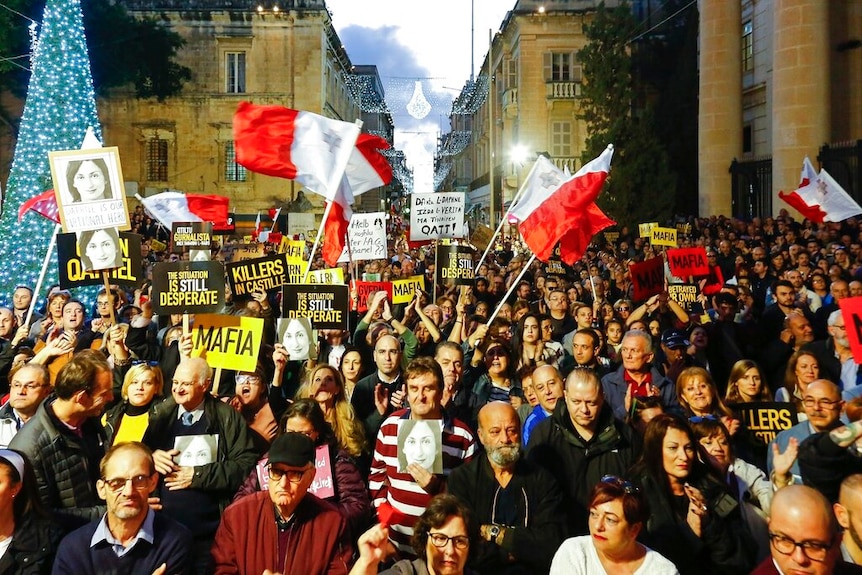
column 548, row 385
column 500, row 433
column 802, row 504
column 495, row 411
column 802, row 514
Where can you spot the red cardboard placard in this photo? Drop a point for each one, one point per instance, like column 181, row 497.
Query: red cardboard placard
column 851, row 309
column 647, row 278
column 685, row 262
column 365, row 289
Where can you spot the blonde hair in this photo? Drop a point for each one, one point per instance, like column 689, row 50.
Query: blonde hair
column 137, row 370
column 348, row 431
column 718, row 407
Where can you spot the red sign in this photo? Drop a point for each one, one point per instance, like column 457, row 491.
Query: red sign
column 851, row 309
column 647, row 278
column 366, row 289
column 685, row 262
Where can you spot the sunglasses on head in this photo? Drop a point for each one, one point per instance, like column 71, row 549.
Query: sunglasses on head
column 496, row 352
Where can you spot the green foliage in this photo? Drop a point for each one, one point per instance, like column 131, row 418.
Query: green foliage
column 641, row 186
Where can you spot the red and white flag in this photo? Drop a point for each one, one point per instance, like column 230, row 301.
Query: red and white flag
column 553, row 209
column 170, row 207
column 45, row 204
column 367, row 169
column 292, row 144
column 820, row 198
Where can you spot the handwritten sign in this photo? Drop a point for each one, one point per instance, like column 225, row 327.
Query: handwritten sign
column 454, row 265
column 228, row 341
column 261, row 274
column 663, row 237
column 325, row 306
column 645, row 230
column 685, row 262
column 404, row 290
column 180, row 287
column 764, row 420
column 437, row 215
column 647, row 278
column 72, row 273
column 367, row 234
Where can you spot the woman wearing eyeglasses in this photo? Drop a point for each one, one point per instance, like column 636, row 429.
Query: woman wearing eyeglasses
column 142, row 390
column 694, row 521
column 441, row 539
column 260, row 409
column 618, row 513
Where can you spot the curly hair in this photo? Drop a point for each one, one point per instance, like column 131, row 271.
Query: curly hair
column 439, row 510
column 348, row 430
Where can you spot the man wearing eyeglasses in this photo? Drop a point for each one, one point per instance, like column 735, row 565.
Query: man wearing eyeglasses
column 284, row 529
column 131, row 537
column 834, row 356
column 804, row 536
column 28, row 387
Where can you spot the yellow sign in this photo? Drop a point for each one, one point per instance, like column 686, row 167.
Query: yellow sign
column 331, row 276
column 158, row 246
column 228, row 341
column 645, row 229
column 404, row 290
column 663, row 237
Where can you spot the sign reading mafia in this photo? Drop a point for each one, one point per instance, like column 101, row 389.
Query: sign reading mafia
column 230, row 341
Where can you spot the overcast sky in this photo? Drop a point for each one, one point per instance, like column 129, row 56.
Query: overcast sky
column 411, row 42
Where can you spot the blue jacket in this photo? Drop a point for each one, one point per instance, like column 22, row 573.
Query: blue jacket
column 614, row 386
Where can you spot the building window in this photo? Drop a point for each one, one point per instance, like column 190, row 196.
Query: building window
column 233, row 172
column 747, row 140
column 235, row 72
column 157, row 160
column 747, row 47
column 511, row 74
column 561, row 139
column 562, row 67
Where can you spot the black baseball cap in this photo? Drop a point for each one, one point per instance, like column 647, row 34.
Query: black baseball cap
column 293, row 449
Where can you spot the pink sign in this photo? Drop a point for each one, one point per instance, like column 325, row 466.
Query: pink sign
column 323, row 485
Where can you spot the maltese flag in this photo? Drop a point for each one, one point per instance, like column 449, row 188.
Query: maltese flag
column 553, row 209
column 820, row 198
column 170, row 207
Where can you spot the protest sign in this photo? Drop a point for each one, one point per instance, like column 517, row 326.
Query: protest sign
column 240, row 252
column 324, row 305
column 764, row 420
column 72, row 272
column 88, row 187
column 685, row 262
column 297, row 335
column 437, row 215
column 367, row 233
column 187, row 236
column 261, row 274
column 365, row 289
column 663, row 237
column 647, row 278
column 554, row 267
column 683, row 294
column 645, row 230
column 482, row 236
column 683, row 229
column 322, row 486
column 419, row 442
column 296, row 264
column 612, row 237
column 330, row 276
column 851, row 310
column 194, row 287
column 404, row 290
column 158, row 245
column 454, row 265
column 226, row 228
column 228, row 341
column 300, row 223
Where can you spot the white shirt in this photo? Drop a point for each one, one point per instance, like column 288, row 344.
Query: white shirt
column 578, row 556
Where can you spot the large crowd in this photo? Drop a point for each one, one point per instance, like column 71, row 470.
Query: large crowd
column 566, row 428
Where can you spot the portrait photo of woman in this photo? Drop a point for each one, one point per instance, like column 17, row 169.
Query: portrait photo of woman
column 89, row 180
column 297, row 337
column 419, row 441
column 100, row 249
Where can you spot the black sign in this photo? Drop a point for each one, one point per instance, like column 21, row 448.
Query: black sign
column 324, row 305
column 195, row 287
column 764, row 420
column 187, row 236
column 72, row 273
column 261, row 274
column 455, row 265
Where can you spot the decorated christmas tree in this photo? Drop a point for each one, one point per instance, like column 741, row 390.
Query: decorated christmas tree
column 60, row 106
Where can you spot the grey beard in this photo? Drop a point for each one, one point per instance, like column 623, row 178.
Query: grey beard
column 505, row 455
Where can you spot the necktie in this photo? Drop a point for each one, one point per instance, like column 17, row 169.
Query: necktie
column 187, row 419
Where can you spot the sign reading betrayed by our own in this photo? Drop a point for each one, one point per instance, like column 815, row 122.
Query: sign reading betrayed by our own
column 454, row 265
column 72, row 273
column 228, row 341
column 261, row 274
column 683, row 294
column 194, row 287
column 367, row 233
column 324, row 305
column 437, row 215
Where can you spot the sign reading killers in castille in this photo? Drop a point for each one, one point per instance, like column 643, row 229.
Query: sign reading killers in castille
column 260, row 274
column 72, row 269
column 193, row 287
column 454, row 265
column 324, row 305
column 764, row 420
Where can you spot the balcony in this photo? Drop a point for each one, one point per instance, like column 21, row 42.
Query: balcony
column 562, row 90
column 510, row 103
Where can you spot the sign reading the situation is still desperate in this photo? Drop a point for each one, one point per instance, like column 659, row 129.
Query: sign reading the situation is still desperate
column 325, row 306
column 437, row 215
column 195, row 287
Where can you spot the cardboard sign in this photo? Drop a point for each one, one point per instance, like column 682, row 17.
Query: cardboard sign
column 645, row 230
column 322, row 486
column 482, row 236
column 663, row 237
column 404, row 290
column 685, row 262
column 365, row 289
column 325, row 306
column 683, row 294
column 72, row 273
column 851, row 310
column 330, row 276
column 764, row 420
column 367, row 233
column 437, row 215
column 228, row 341
column 454, row 265
column 612, row 237
column 261, row 274
column 194, row 287
column 240, row 252
column 647, row 278
column 187, row 236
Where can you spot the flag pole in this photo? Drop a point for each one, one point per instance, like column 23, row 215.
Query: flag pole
column 45, row 263
column 512, row 287
column 317, row 240
column 505, row 218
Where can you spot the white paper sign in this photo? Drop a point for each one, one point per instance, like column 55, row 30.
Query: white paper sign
column 438, row 215
column 367, row 234
column 300, row 223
